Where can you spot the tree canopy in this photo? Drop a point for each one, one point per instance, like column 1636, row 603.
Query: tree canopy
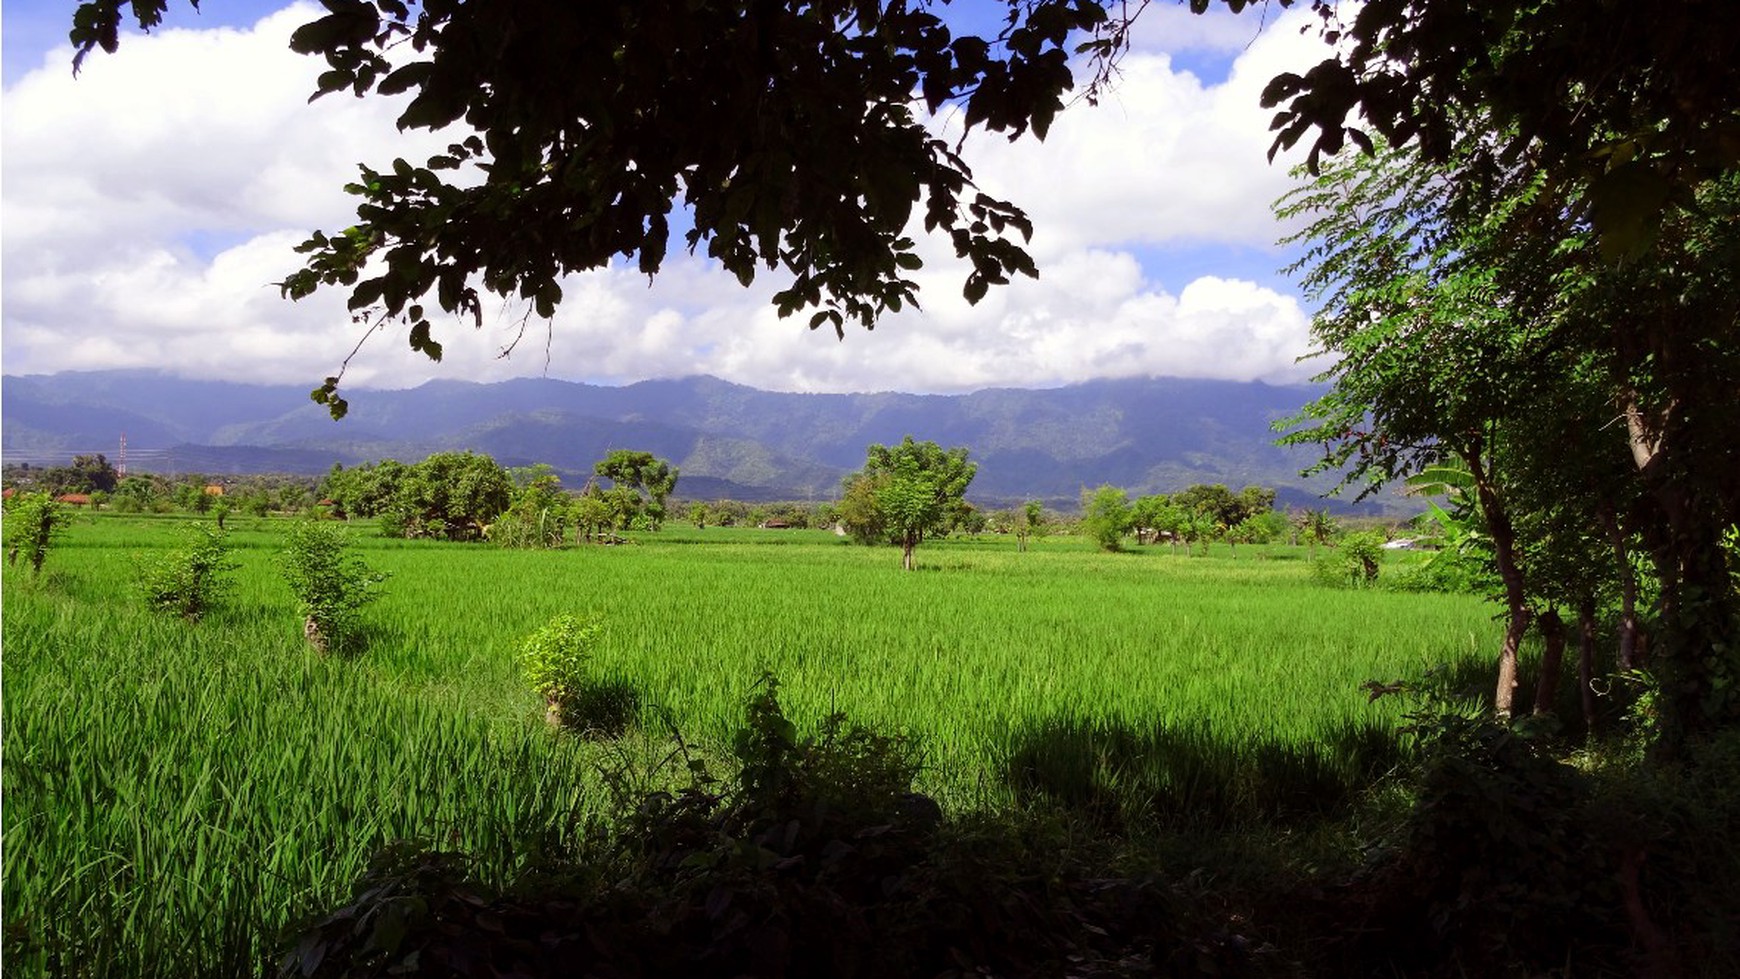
column 640, row 484
column 1482, row 322
column 907, row 492
column 786, row 131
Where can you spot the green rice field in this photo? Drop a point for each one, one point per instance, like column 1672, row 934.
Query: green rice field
column 176, row 794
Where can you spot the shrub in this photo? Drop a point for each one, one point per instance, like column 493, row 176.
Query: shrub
column 1450, row 571
column 188, row 580
column 394, row 524
column 1362, row 554
column 1355, row 562
column 845, row 773
column 554, row 661
column 331, row 584
column 33, row 521
column 531, row 523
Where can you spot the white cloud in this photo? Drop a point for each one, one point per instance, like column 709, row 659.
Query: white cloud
column 116, row 183
column 1171, row 27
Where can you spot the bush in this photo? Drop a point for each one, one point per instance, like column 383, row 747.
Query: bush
column 1447, row 571
column 188, row 580
column 1355, row 562
column 33, row 521
column 554, row 660
column 394, row 524
column 530, row 524
column 331, row 585
column 846, row 773
column 1362, row 554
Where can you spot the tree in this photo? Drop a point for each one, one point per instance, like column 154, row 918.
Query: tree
column 592, row 515
column 905, row 493
column 453, row 495
column 824, row 515
column 1254, row 502
column 1630, row 112
column 1105, row 516
column 860, row 511
column 1197, row 528
column 1027, row 520
column 1314, row 527
column 90, row 474
column 1223, row 506
column 192, row 497
column 1267, row 526
column 1496, row 333
column 1248, row 531
column 364, row 491
column 1148, row 516
column 734, row 111
column 1431, row 359
column 640, row 483
column 136, row 494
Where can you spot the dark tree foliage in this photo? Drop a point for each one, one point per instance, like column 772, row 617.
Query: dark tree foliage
column 1632, row 104
column 786, row 130
column 1581, row 395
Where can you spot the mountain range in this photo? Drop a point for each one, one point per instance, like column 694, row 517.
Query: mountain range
column 1147, row 435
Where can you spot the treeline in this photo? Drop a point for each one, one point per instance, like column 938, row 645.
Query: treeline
column 469, row 496
column 1196, row 515
column 92, row 480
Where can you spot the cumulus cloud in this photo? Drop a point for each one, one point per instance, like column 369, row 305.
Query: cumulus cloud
column 149, row 206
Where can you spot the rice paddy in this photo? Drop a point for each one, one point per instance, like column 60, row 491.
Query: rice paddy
column 176, row 794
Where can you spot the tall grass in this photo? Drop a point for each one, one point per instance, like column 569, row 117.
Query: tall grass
column 176, row 794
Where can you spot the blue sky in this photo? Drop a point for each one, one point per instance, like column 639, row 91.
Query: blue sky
column 147, row 207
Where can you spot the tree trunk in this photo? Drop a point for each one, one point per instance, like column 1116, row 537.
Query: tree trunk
column 316, row 638
column 1552, row 661
column 1628, row 658
column 906, row 552
column 1510, row 572
column 1586, row 661
column 1700, row 652
column 1700, row 655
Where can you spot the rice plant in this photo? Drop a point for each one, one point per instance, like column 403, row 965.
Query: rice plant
column 178, row 794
